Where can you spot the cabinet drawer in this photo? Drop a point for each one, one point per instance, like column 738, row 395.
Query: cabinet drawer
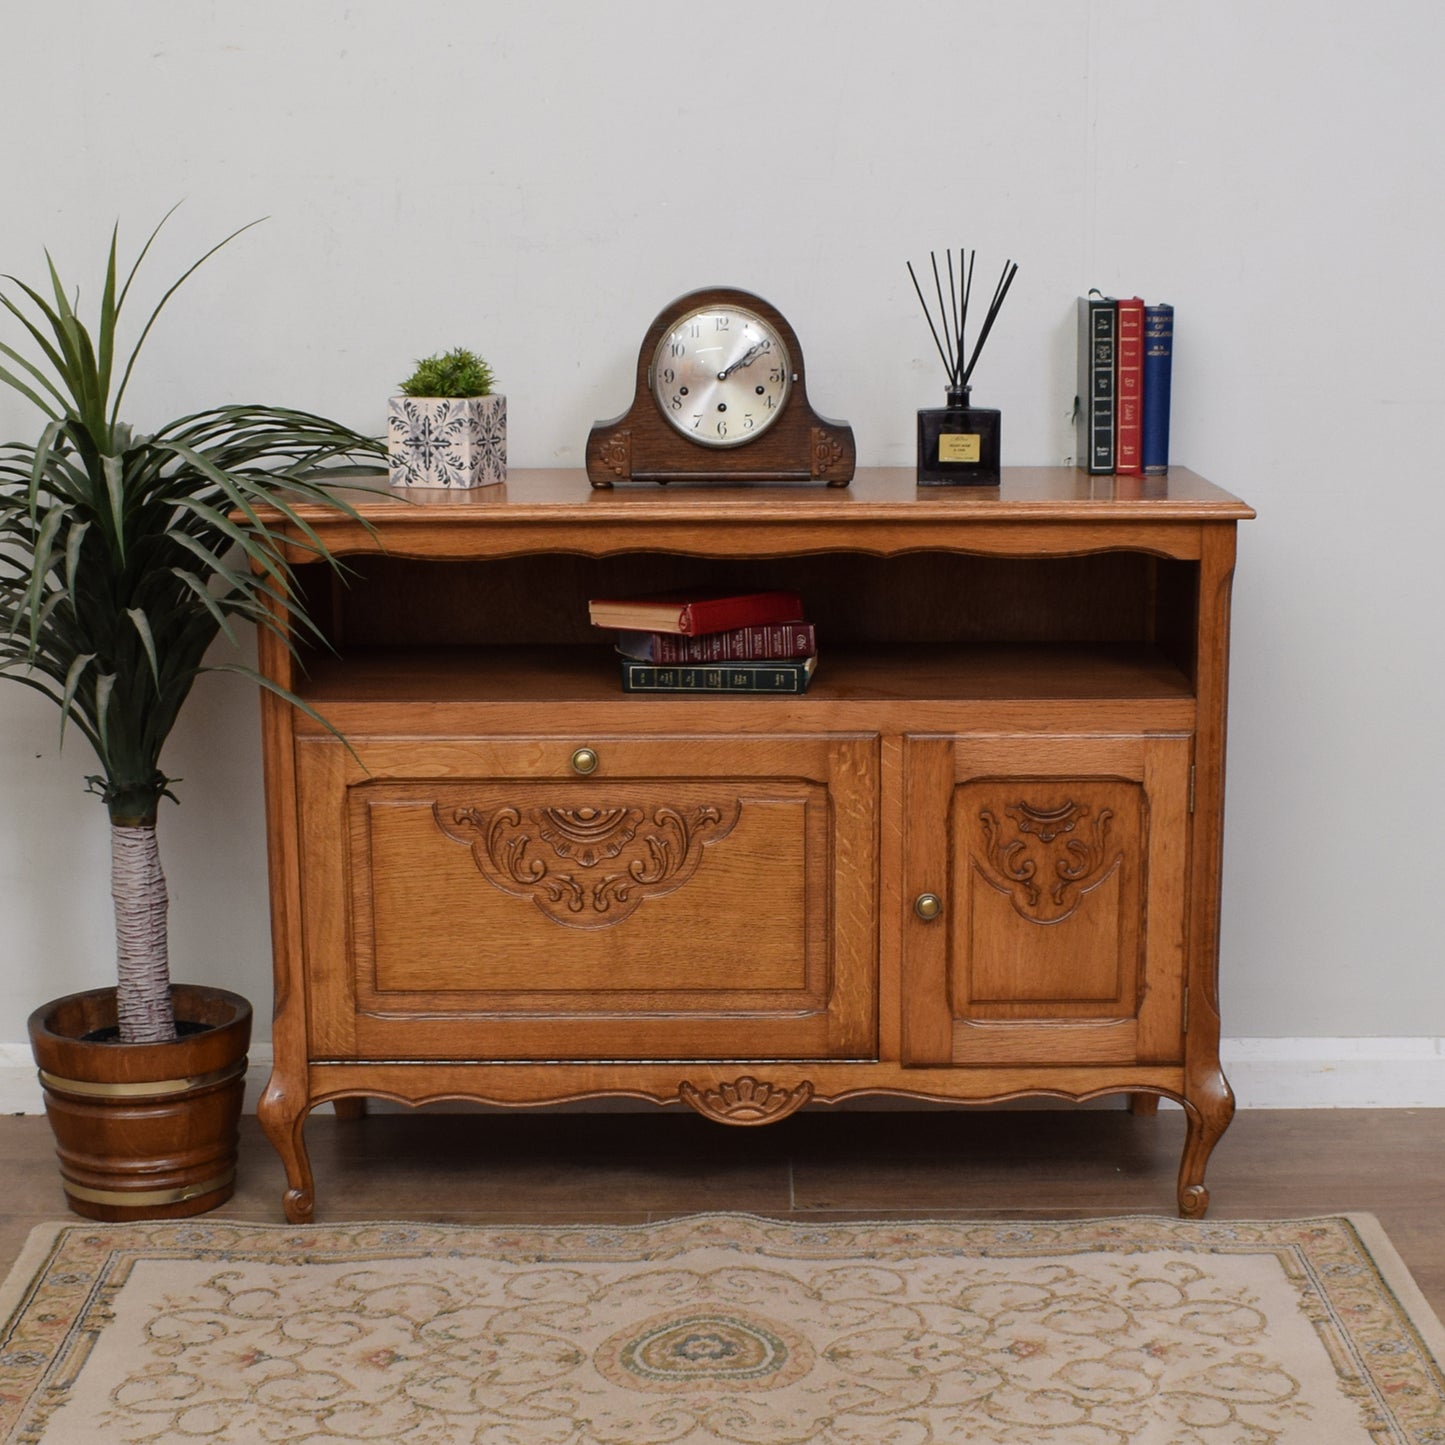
column 686, row 897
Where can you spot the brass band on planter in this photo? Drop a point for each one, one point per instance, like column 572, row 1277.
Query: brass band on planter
column 145, row 1198
column 157, row 1088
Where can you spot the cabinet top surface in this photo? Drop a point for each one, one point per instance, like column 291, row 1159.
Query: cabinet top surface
column 883, row 510
column 1033, row 493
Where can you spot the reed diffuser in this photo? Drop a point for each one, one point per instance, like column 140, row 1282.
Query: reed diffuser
column 958, row 445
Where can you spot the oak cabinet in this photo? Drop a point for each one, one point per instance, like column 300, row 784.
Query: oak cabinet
column 978, row 860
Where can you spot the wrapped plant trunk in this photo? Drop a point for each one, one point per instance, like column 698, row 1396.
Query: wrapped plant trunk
column 142, row 949
column 144, row 1013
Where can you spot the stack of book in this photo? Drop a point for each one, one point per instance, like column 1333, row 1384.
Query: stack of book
column 1126, row 356
column 710, row 641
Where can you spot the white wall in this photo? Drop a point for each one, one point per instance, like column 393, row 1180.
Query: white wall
column 537, row 180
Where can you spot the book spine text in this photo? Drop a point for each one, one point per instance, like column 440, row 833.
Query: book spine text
column 1158, row 369
column 1130, row 387
column 1097, row 335
column 744, row 677
column 742, row 644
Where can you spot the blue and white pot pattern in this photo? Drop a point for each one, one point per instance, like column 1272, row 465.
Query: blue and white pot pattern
column 439, row 441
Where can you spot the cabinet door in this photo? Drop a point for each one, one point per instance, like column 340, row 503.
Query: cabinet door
column 1061, row 866
column 695, row 897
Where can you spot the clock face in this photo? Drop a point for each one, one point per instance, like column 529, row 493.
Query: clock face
column 721, row 376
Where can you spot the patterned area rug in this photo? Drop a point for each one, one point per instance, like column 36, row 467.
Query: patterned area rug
column 719, row 1328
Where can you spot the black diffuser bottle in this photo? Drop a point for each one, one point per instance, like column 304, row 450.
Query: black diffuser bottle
column 958, row 444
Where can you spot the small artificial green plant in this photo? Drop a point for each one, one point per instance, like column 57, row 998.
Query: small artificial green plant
column 455, row 373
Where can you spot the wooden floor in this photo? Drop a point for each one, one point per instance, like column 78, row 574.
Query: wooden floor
column 634, row 1167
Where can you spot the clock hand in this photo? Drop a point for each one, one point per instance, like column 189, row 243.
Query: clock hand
column 746, row 359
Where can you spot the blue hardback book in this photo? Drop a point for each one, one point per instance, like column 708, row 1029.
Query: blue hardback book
column 1158, row 366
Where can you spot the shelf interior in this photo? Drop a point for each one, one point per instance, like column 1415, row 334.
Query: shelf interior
column 924, row 625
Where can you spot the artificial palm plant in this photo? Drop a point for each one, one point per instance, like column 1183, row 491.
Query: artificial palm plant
column 123, row 554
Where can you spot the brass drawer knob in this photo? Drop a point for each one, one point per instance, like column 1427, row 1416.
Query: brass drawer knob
column 584, row 761
column 928, row 906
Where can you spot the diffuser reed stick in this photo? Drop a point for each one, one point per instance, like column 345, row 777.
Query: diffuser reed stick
column 951, row 344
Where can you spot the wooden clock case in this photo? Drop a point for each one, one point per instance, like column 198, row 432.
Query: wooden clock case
column 641, row 446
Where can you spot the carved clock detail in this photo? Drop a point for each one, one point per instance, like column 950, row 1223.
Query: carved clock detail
column 587, row 867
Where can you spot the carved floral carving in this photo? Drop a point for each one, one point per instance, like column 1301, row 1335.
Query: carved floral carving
column 1044, row 877
column 827, row 453
column 616, row 453
column 587, row 867
column 746, row 1100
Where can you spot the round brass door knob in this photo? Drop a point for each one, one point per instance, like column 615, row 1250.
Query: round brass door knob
column 584, row 761
column 927, row 906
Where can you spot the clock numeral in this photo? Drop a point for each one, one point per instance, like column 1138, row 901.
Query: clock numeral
column 695, row 329
column 668, row 376
column 722, row 428
column 771, row 403
column 775, row 373
column 676, row 403
column 722, row 323
column 678, row 348
column 748, row 422
column 696, row 420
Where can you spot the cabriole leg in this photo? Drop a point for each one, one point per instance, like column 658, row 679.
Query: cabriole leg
column 283, row 1117
column 1208, row 1108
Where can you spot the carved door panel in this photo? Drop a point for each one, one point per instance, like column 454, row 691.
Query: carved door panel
column 1061, row 868
column 690, row 898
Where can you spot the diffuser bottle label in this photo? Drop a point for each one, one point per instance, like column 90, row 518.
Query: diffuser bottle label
column 960, row 447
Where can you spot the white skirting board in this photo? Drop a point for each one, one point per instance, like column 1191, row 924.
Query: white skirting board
column 1349, row 1073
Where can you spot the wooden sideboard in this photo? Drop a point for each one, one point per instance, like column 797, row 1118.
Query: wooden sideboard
column 980, row 859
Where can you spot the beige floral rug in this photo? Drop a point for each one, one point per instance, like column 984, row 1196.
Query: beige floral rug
column 719, row 1328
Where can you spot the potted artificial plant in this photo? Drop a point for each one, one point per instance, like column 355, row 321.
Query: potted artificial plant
column 123, row 555
column 448, row 428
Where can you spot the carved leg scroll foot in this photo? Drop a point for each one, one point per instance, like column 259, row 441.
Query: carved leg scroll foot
column 1208, row 1109
column 299, row 1205
column 283, row 1122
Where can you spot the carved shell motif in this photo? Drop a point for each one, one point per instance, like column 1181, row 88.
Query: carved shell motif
column 1047, row 878
column 746, row 1100
column 587, row 867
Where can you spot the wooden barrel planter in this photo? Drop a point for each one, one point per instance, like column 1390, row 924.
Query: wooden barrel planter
column 144, row 1131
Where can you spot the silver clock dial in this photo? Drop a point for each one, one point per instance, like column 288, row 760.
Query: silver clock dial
column 721, row 376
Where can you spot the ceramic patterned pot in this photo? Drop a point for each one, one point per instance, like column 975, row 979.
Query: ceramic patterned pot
column 439, row 441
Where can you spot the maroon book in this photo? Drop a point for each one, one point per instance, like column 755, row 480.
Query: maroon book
column 689, row 614
column 1128, row 453
column 776, row 641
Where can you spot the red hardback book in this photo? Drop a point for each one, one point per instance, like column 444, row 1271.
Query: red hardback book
column 689, row 614
column 1128, row 441
column 776, row 641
